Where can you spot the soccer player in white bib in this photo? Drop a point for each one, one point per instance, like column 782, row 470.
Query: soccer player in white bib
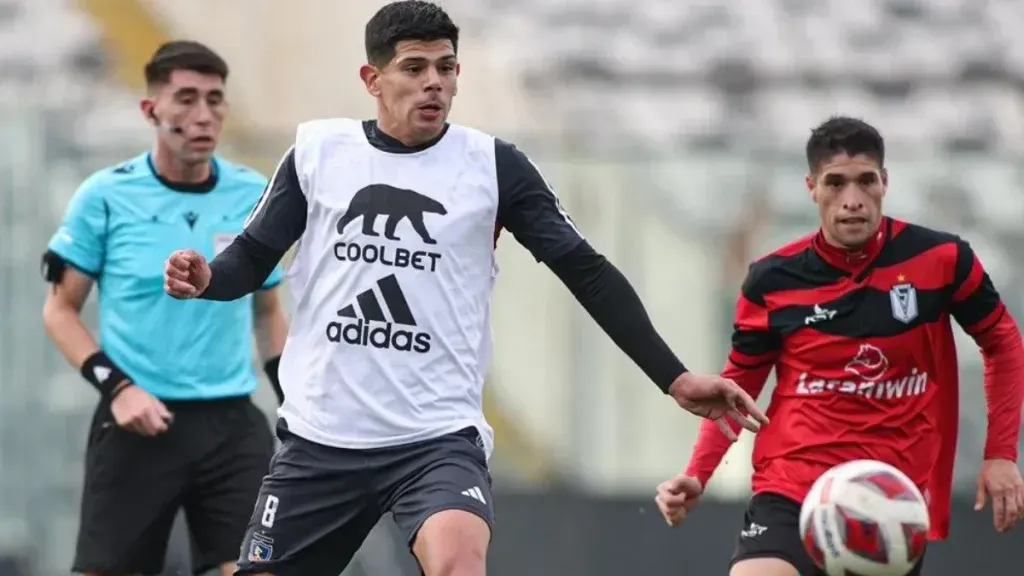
column 396, row 221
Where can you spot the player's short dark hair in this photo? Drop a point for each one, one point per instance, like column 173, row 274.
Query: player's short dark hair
column 406, row 20
column 183, row 55
column 842, row 134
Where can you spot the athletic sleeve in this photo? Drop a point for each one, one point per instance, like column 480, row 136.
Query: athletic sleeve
column 252, row 259
column 279, row 218
column 976, row 305
column 81, row 238
column 612, row 302
column 276, row 274
column 755, row 346
column 529, row 209
column 755, row 349
column 980, row 311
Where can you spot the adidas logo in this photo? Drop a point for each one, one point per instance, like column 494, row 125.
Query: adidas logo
column 475, row 493
column 372, row 327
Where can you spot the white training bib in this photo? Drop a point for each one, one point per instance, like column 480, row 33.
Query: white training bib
column 391, row 338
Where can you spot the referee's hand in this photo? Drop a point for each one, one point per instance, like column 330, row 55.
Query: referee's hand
column 139, row 411
column 186, row 274
column 717, row 398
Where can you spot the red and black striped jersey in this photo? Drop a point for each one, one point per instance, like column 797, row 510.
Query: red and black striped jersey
column 865, row 360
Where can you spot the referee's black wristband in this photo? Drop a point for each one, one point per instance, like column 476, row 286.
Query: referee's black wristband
column 100, row 371
column 271, row 367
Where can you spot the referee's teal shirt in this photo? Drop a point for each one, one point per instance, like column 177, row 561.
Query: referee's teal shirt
column 119, row 228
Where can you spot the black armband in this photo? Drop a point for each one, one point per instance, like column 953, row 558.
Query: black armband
column 52, row 267
column 271, row 367
column 100, row 371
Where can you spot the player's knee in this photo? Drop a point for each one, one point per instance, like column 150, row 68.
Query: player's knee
column 763, row 567
column 453, row 543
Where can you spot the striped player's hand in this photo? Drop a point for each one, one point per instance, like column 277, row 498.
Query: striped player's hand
column 676, row 497
column 719, row 399
column 186, row 274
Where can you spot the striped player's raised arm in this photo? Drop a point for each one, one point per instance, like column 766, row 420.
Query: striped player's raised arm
column 277, row 222
column 755, row 350
column 978, row 308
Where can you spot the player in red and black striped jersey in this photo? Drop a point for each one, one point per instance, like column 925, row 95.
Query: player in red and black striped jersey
column 856, row 321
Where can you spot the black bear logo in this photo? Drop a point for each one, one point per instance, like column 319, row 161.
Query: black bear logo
column 396, row 203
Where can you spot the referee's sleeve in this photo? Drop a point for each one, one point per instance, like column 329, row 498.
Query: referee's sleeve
column 81, row 239
column 279, row 218
column 528, row 207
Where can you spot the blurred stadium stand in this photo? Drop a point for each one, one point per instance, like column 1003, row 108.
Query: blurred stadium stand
column 672, row 128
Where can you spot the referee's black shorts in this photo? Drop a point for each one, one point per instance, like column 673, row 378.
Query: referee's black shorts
column 210, row 462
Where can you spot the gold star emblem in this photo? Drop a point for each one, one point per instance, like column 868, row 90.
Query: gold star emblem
column 901, row 278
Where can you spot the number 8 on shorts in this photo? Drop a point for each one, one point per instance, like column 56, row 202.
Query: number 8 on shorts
column 269, row 511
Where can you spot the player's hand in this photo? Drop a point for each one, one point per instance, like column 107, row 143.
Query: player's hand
column 137, row 410
column 186, row 274
column 713, row 397
column 676, row 497
column 1001, row 480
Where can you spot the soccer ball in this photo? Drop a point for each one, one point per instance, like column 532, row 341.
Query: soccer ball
column 864, row 518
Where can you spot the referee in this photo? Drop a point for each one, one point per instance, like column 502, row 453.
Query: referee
column 174, row 427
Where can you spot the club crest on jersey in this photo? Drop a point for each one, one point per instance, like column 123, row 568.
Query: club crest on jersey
column 903, row 298
column 260, row 550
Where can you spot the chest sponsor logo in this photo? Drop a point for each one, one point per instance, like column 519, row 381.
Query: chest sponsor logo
column 396, row 206
column 365, row 323
column 867, row 372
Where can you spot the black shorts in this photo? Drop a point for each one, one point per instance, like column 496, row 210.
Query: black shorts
column 771, row 529
column 210, row 462
column 319, row 503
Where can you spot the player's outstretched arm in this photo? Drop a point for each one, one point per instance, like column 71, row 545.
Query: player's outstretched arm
column 277, row 222
column 529, row 210
column 611, row 301
column 979, row 310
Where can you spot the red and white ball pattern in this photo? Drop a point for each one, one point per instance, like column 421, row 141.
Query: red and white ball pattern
column 864, row 518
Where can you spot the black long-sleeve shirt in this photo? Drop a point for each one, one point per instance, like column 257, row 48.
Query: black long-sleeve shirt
column 527, row 208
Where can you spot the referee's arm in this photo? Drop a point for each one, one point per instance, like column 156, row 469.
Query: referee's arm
column 271, row 327
column 529, row 209
column 61, row 311
column 72, row 261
